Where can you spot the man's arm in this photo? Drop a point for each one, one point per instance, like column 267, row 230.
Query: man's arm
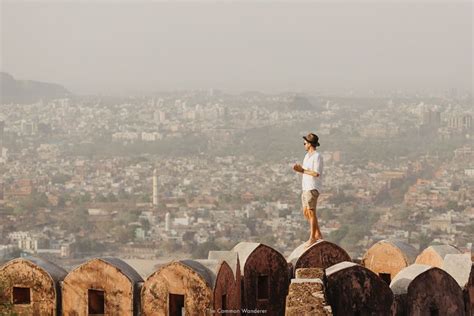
column 299, row 168
column 310, row 172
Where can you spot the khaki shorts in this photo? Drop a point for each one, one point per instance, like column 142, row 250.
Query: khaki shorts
column 309, row 199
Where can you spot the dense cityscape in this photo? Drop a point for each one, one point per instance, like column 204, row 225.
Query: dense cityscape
column 236, row 158
column 174, row 175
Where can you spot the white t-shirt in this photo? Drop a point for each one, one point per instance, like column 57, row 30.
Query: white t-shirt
column 313, row 161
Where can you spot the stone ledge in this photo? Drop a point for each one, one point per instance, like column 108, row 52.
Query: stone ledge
column 293, row 281
column 309, row 273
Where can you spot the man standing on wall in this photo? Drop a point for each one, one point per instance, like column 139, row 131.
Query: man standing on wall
column 312, row 170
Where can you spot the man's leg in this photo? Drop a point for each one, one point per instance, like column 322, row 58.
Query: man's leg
column 315, row 233
column 304, row 204
column 313, row 221
column 306, row 213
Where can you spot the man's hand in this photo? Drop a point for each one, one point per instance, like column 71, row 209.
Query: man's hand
column 298, row 168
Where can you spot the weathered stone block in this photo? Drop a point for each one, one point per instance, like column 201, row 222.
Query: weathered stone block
column 306, row 285
column 353, row 289
column 39, row 282
column 116, row 280
column 423, row 290
column 310, row 273
column 387, row 257
column 265, row 268
column 321, row 254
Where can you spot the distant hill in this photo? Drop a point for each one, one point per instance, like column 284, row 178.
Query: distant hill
column 22, row 91
column 300, row 103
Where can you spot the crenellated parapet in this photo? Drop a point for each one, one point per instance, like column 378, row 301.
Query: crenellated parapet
column 250, row 278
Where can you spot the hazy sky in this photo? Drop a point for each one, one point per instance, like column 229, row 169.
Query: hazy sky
column 111, row 46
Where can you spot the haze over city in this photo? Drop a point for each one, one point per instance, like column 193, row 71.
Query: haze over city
column 125, row 46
